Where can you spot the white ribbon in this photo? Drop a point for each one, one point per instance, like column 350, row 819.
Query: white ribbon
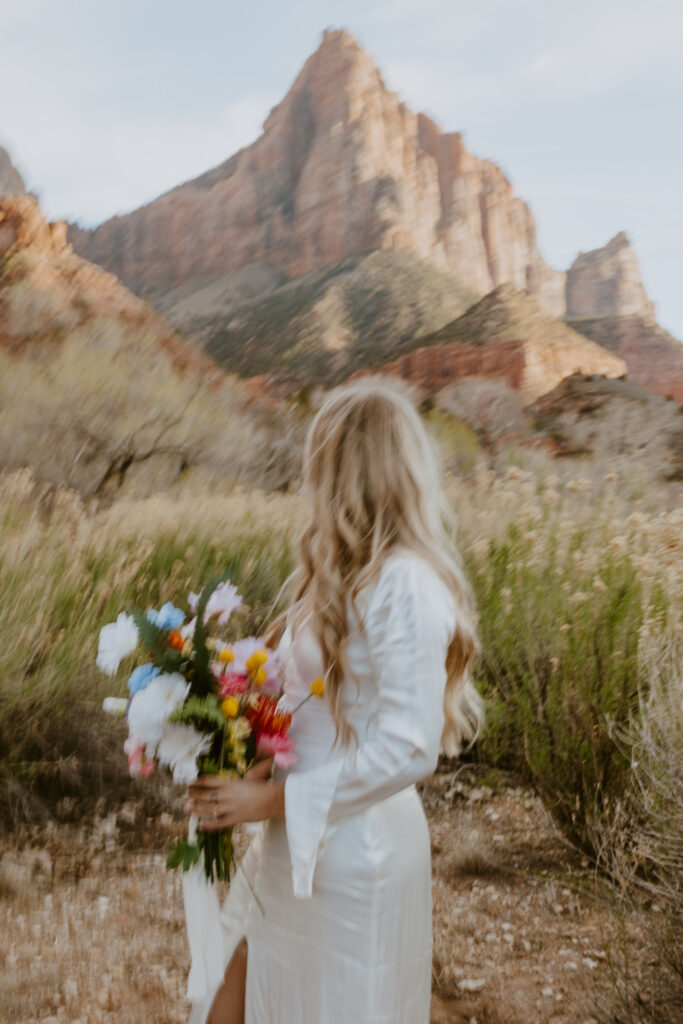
column 204, row 930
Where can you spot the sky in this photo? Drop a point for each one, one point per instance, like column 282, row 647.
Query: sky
column 106, row 105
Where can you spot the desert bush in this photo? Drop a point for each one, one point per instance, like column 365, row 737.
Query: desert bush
column 458, row 443
column 110, row 413
column 569, row 587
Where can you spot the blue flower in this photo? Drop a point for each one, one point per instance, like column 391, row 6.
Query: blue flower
column 142, row 676
column 167, row 618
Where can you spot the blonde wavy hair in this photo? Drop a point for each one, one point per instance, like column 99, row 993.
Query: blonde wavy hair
column 373, row 480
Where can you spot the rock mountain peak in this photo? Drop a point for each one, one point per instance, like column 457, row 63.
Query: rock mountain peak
column 344, row 167
column 11, row 182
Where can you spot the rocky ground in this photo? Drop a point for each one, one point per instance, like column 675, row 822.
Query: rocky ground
column 92, row 929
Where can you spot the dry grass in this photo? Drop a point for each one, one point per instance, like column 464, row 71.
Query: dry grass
column 552, row 563
column 93, row 930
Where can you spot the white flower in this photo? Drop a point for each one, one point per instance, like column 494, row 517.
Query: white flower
column 116, row 641
column 187, row 631
column 115, row 705
column 179, row 748
column 223, row 602
column 151, row 707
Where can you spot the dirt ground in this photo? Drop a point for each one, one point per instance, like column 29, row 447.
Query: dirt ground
column 92, row 928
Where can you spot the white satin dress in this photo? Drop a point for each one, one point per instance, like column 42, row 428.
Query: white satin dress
column 345, row 878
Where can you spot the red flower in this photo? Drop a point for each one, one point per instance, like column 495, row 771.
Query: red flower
column 265, row 717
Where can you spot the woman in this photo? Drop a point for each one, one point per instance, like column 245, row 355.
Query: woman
column 382, row 612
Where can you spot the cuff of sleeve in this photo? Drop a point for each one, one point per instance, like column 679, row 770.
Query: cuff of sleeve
column 308, row 796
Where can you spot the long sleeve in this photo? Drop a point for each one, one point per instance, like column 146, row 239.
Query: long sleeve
column 409, row 623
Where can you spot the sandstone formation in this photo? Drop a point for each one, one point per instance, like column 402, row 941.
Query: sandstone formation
column 504, row 336
column 618, row 423
column 654, row 358
column 342, row 167
column 100, row 394
column 11, row 182
column 607, row 282
column 67, row 289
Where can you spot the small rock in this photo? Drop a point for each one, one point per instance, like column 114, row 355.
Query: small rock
column 590, row 964
column 127, row 814
column 103, row 998
column 70, row 991
column 547, row 991
column 471, row 984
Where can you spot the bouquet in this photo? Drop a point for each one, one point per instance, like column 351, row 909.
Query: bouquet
column 197, row 704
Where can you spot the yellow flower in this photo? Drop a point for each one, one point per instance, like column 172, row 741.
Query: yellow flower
column 255, row 660
column 260, row 676
column 226, row 655
column 187, row 649
column 240, row 728
column 230, row 707
column 318, row 687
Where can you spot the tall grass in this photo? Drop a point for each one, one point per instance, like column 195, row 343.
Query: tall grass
column 63, row 574
column 576, row 592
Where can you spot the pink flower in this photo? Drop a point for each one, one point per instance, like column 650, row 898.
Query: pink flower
column 223, row 602
column 231, row 684
column 280, row 746
column 138, row 765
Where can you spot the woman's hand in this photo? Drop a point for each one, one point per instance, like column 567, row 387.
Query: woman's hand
column 220, row 802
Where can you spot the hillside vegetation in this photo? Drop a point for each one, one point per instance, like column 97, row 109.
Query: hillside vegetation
column 328, row 323
column 97, row 392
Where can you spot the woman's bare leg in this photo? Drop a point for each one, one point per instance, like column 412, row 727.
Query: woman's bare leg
column 228, row 1005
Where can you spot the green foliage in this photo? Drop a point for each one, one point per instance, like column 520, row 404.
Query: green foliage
column 182, row 854
column 155, row 641
column 202, row 712
column 216, row 847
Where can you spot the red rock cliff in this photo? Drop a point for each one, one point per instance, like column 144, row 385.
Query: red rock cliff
column 607, row 282
column 505, row 337
column 342, row 167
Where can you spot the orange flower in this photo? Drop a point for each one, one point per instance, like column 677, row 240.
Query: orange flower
column 265, row 717
column 176, row 640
